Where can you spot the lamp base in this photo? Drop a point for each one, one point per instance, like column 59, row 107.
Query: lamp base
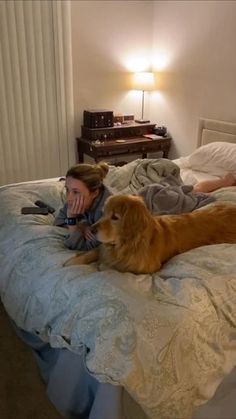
column 142, row 121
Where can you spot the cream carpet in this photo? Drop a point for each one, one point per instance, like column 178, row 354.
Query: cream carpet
column 22, row 392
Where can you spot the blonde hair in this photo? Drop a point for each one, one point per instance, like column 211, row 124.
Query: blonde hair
column 91, row 175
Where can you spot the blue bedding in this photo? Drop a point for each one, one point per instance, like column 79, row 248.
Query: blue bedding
column 168, row 338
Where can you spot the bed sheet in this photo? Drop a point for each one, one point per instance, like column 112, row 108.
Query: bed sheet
column 168, row 338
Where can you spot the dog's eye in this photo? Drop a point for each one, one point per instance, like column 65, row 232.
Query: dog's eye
column 114, row 217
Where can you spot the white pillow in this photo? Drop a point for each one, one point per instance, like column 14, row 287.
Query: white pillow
column 214, row 158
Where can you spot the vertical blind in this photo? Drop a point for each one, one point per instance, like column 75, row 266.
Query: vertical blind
column 36, row 106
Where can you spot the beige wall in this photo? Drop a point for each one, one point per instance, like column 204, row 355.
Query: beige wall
column 105, row 36
column 199, row 80
column 198, row 38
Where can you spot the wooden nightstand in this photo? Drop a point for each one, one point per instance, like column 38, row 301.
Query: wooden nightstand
column 117, row 141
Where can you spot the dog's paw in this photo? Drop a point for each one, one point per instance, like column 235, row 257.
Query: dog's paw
column 84, row 258
column 67, row 263
column 73, row 261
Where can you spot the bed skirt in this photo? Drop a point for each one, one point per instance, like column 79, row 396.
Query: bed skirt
column 72, row 390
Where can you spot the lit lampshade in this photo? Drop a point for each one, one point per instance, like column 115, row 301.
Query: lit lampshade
column 143, row 81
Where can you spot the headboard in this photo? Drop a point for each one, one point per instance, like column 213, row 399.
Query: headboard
column 210, row 130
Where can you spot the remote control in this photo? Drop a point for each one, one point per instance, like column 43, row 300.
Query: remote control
column 42, row 204
column 34, row 210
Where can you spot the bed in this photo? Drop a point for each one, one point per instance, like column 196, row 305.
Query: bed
column 124, row 346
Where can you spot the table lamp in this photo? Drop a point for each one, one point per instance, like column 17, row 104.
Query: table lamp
column 143, row 81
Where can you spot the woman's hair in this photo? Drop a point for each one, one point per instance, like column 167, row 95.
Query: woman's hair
column 91, row 175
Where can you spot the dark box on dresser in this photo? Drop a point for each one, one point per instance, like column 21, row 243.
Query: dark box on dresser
column 98, row 118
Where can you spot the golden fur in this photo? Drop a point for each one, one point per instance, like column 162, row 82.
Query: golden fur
column 135, row 241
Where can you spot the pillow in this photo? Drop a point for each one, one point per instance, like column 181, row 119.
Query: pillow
column 215, row 158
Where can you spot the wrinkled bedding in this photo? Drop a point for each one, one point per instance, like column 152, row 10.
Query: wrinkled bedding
column 168, row 338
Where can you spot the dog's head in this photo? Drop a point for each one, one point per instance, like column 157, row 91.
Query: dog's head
column 124, row 217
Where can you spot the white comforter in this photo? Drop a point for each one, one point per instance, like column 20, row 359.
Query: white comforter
column 168, row 338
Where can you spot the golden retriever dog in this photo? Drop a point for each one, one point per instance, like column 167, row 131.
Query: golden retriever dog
column 135, row 241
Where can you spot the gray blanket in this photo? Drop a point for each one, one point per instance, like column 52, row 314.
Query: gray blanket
column 135, row 175
column 168, row 199
column 159, row 183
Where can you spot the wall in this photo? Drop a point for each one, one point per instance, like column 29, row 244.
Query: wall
column 106, row 35
column 198, row 40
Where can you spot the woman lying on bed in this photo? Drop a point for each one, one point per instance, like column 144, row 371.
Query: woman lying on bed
column 85, row 196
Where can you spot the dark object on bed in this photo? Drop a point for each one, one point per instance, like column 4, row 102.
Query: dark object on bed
column 42, row 204
column 34, row 210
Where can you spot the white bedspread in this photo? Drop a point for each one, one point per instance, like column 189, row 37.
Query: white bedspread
column 168, row 338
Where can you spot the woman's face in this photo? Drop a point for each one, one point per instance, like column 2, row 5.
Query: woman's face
column 75, row 189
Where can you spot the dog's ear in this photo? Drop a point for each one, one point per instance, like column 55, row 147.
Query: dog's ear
column 135, row 221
